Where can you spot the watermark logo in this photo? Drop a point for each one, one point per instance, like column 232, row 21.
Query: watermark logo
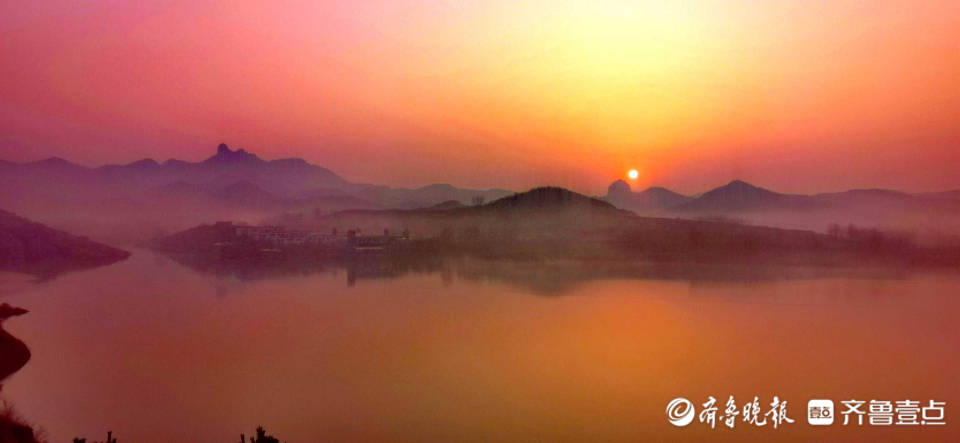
column 889, row 413
column 820, row 412
column 680, row 412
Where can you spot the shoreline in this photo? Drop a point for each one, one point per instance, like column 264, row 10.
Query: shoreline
column 14, row 353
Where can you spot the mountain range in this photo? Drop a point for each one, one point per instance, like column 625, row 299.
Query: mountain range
column 231, row 184
column 146, row 198
column 743, row 201
column 650, row 200
column 238, row 174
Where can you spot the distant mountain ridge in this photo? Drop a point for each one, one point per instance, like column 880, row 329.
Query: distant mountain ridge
column 739, row 200
column 739, row 195
column 651, row 200
column 150, row 197
column 236, row 177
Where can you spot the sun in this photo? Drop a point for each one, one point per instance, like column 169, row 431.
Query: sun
column 633, row 174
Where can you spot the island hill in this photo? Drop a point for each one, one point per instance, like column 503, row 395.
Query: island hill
column 31, row 247
column 544, row 222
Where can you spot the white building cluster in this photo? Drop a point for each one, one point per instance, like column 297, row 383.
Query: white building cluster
column 278, row 236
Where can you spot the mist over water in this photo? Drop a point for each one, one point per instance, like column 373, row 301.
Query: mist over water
column 157, row 351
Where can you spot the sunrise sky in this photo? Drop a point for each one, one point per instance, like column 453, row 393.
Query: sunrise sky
column 801, row 96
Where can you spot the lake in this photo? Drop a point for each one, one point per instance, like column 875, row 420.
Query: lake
column 157, row 351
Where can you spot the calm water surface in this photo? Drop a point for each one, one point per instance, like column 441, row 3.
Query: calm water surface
column 156, row 351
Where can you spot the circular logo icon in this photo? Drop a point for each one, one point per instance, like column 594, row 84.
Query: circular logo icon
column 680, row 412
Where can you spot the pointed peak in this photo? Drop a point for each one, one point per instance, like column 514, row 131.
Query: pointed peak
column 58, row 164
column 660, row 190
column 54, row 161
column 740, row 183
column 548, row 197
column 741, row 189
column 227, row 156
column 741, row 186
column 223, row 149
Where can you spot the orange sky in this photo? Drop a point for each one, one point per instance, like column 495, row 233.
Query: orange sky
column 798, row 96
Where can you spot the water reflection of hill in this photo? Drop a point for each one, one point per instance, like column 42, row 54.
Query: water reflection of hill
column 252, row 269
column 538, row 276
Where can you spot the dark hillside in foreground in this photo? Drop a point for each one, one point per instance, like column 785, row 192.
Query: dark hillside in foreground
column 32, row 247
